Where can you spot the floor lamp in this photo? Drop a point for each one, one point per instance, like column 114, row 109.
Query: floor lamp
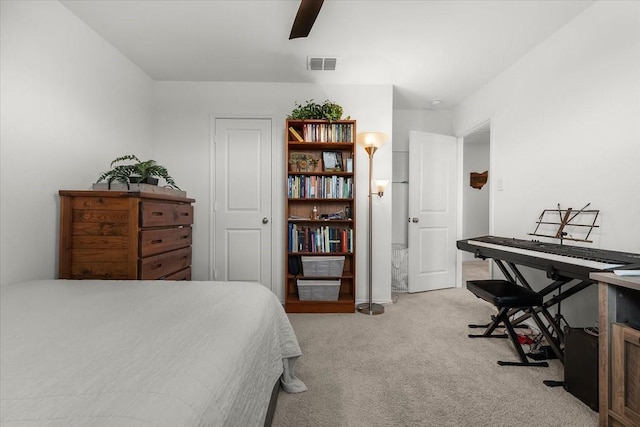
column 371, row 141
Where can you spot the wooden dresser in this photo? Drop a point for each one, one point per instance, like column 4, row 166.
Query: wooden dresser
column 619, row 355
column 125, row 235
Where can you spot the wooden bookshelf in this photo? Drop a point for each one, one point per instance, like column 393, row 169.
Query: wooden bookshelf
column 320, row 158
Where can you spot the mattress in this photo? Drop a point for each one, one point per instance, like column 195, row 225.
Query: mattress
column 142, row 353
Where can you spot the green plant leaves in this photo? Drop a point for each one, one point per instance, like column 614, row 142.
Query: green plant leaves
column 146, row 169
column 331, row 111
column 327, row 111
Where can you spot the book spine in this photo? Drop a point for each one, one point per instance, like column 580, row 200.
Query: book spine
column 295, row 134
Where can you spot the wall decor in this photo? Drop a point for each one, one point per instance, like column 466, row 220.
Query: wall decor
column 478, row 180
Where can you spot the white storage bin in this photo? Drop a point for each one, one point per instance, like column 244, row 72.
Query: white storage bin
column 322, row 266
column 318, row 290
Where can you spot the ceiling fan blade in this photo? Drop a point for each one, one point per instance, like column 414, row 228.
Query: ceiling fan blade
column 306, row 16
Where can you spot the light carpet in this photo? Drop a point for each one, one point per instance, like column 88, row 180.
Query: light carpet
column 415, row 366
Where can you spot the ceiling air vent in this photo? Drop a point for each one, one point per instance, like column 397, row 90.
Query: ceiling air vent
column 319, row 63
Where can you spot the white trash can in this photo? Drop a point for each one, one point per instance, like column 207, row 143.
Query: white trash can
column 399, row 268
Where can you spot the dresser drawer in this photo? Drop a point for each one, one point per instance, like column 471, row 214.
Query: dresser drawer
column 157, row 241
column 99, row 270
column 159, row 266
column 165, row 214
column 180, row 275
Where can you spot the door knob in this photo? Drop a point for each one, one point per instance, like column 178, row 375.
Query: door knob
column 414, row 220
column 265, row 220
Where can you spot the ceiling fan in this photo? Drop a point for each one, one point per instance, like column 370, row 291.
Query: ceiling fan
column 306, row 16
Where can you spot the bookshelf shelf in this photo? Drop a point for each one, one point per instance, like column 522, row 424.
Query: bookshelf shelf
column 320, row 159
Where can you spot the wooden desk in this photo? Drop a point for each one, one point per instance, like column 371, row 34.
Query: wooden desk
column 619, row 352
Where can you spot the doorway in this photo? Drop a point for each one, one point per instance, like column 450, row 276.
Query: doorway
column 476, row 198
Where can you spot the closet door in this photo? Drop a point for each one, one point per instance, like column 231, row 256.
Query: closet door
column 242, row 200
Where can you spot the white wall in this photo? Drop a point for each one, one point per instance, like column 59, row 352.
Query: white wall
column 70, row 104
column 565, row 129
column 183, row 121
column 475, row 202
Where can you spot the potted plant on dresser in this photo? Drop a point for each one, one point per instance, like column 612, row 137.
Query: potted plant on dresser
column 134, row 174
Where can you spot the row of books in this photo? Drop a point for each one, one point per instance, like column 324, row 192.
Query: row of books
column 324, row 132
column 321, row 239
column 320, row 187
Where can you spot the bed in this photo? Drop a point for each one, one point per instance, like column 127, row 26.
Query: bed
column 143, row 353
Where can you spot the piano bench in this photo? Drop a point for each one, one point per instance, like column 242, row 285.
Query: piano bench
column 506, row 295
column 503, row 293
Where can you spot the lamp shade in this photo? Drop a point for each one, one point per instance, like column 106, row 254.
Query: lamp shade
column 371, row 139
column 381, row 185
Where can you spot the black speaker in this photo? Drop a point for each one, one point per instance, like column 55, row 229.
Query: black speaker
column 581, row 365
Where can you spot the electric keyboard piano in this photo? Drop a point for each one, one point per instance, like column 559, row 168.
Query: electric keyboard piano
column 563, row 264
column 557, row 260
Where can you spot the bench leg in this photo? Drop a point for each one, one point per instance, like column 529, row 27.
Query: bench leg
column 516, row 344
column 488, row 333
column 486, row 325
column 556, row 349
column 503, row 317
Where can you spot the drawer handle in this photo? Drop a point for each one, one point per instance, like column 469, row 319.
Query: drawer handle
column 155, row 242
column 184, row 213
column 184, row 236
column 156, row 213
column 155, row 267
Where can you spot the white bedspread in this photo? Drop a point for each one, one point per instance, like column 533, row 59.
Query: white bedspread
column 131, row 353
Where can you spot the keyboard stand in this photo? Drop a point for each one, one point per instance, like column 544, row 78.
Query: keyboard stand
column 542, row 309
column 567, row 268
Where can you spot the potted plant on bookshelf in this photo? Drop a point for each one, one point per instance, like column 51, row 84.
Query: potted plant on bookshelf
column 294, row 162
column 312, row 111
column 146, row 172
column 300, row 162
column 313, row 163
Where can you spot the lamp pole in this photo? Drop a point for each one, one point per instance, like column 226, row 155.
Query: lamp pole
column 370, row 308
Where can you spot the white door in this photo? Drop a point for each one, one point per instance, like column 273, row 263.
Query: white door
column 432, row 211
column 242, row 202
